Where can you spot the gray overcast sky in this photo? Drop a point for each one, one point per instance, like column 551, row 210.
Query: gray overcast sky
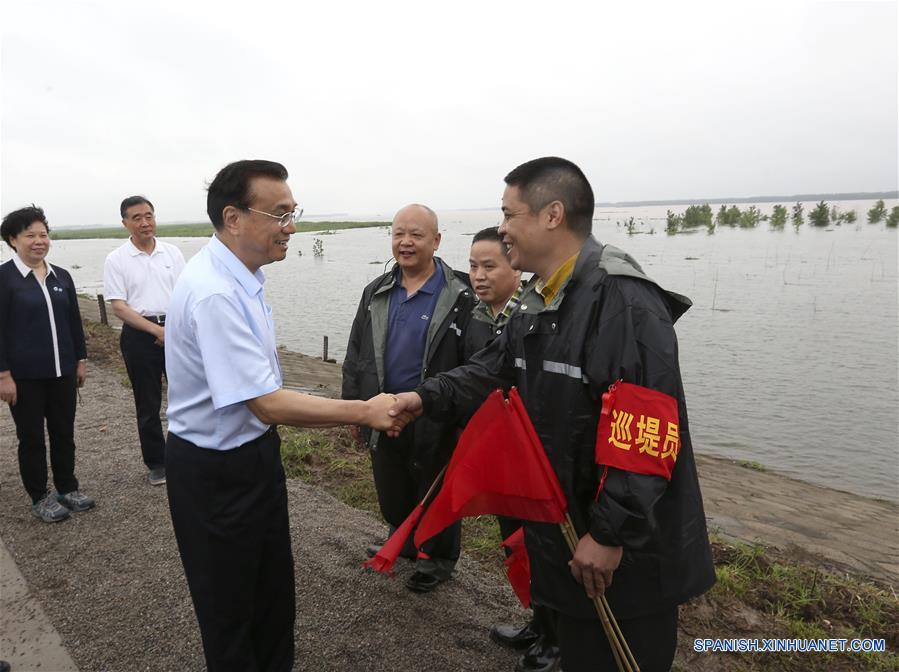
column 371, row 105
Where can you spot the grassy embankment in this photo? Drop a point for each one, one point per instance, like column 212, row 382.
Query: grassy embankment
column 199, row 230
column 761, row 592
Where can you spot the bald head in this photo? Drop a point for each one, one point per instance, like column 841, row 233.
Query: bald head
column 419, row 213
column 415, row 238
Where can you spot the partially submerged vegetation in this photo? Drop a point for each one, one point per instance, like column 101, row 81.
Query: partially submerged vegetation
column 198, row 230
column 879, row 211
column 761, row 592
column 701, row 217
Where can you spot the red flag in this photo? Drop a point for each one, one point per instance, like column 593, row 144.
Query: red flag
column 385, row 559
column 638, row 430
column 496, row 468
column 518, row 567
column 524, row 420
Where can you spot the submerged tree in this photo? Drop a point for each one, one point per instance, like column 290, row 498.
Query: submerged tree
column 893, row 219
column 877, row 213
column 750, row 218
column 820, row 216
column 697, row 216
column 779, row 217
column 722, row 215
column 673, row 223
column 728, row 216
column 835, row 216
column 797, row 215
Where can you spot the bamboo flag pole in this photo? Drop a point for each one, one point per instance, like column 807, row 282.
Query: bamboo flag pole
column 386, row 556
column 620, row 650
column 614, row 644
column 433, row 487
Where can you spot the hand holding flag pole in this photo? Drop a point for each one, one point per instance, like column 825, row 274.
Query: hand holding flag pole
column 623, row 656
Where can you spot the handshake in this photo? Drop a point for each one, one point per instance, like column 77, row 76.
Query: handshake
column 390, row 413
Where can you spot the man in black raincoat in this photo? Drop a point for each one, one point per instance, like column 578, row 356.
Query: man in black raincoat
column 589, row 318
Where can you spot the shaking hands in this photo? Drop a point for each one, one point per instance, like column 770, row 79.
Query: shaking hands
column 390, row 413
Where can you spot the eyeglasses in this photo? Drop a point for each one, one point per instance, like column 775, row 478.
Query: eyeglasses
column 284, row 220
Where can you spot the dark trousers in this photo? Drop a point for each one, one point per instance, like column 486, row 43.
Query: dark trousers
column 145, row 362
column 543, row 620
column 402, row 481
column 652, row 639
column 229, row 512
column 53, row 399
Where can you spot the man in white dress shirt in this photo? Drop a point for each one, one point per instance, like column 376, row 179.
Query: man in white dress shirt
column 138, row 278
column 226, row 486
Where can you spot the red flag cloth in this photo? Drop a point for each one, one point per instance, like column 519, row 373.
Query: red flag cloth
column 496, row 468
column 385, row 559
column 549, row 473
column 518, row 567
column 638, row 430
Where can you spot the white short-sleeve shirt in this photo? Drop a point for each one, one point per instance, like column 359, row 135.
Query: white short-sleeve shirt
column 144, row 281
column 220, row 350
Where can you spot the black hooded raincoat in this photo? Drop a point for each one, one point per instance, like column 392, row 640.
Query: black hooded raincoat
column 608, row 322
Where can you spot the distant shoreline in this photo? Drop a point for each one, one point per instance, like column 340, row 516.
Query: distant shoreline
column 805, row 198
column 849, row 196
column 204, row 229
column 198, row 230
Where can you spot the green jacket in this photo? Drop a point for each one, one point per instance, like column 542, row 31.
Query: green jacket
column 363, row 368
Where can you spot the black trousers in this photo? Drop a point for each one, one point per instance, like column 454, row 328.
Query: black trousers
column 402, row 481
column 53, row 399
column 229, row 512
column 652, row 639
column 145, row 362
column 543, row 620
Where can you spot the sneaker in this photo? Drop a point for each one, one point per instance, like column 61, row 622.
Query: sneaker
column 76, row 501
column 49, row 510
column 157, row 476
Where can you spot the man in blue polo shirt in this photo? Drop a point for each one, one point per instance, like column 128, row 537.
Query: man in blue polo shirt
column 226, row 485
column 409, row 326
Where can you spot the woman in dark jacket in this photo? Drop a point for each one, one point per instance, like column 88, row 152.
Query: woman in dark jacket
column 42, row 362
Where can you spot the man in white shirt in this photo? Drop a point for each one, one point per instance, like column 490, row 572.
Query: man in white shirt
column 138, row 278
column 226, row 489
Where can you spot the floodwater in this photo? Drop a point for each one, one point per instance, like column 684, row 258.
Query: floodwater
column 789, row 354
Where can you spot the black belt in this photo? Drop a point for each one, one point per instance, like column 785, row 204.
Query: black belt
column 156, row 319
column 271, row 431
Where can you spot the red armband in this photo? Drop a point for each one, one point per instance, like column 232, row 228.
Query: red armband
column 638, row 430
